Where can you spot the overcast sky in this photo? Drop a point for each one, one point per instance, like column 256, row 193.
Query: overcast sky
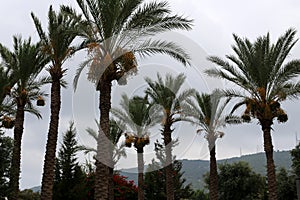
column 215, row 21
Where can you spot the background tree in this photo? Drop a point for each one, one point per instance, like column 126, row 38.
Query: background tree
column 295, row 153
column 286, row 185
column 116, row 32
column 115, row 134
column 28, row 194
column 260, row 69
column 200, row 195
column 57, row 44
column 6, row 148
column 139, row 116
column 70, row 178
column 155, row 179
column 207, row 111
column 26, row 61
column 166, row 93
column 238, row 181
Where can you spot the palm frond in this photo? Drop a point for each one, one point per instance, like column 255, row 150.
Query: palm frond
column 151, row 47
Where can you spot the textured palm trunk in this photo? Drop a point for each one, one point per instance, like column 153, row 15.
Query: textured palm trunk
column 169, row 168
column 104, row 170
column 213, row 175
column 141, row 195
column 49, row 162
column 16, row 157
column 268, row 147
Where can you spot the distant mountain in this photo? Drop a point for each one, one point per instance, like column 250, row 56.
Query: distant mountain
column 36, row 189
column 195, row 169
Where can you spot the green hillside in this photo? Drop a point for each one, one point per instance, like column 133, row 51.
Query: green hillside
column 195, row 169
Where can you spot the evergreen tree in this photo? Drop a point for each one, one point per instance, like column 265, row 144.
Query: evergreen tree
column 155, row 178
column 69, row 177
column 6, row 147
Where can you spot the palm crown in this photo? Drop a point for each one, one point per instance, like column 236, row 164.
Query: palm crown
column 25, row 62
column 166, row 93
column 260, row 70
column 207, row 112
column 116, row 132
column 138, row 115
column 118, row 30
column 62, row 30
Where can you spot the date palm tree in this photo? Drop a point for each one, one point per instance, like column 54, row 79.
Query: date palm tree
column 116, row 132
column 26, row 61
column 57, row 44
column 139, row 116
column 207, row 112
column 261, row 71
column 116, row 32
column 167, row 94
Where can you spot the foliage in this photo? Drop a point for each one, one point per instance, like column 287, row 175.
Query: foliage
column 207, row 112
column 115, row 32
column 137, row 116
column 6, row 147
column 115, row 130
column 199, row 195
column 295, row 153
column 260, row 69
column 286, row 185
column 69, row 179
column 238, row 181
column 29, row 195
column 155, row 182
column 123, row 188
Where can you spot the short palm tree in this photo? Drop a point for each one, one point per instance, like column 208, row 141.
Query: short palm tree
column 116, row 32
column 139, row 116
column 115, row 134
column 207, row 112
column 167, row 94
column 266, row 79
column 26, row 62
column 57, row 44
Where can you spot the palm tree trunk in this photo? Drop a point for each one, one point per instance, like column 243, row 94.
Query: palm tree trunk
column 141, row 195
column 104, row 170
column 16, row 157
column 169, row 167
column 268, row 147
column 49, row 162
column 213, row 175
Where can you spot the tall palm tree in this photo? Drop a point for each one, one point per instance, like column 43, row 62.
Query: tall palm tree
column 166, row 93
column 139, row 116
column 260, row 69
column 57, row 44
column 207, row 112
column 26, row 61
column 116, row 132
column 116, row 32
